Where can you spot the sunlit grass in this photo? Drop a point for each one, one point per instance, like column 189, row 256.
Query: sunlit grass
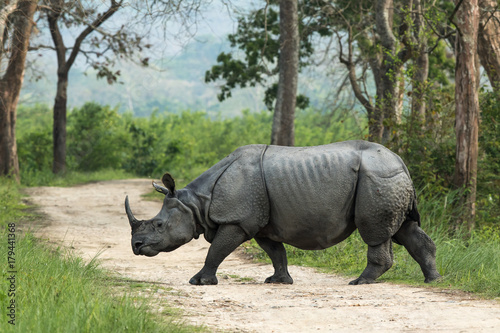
column 47, row 178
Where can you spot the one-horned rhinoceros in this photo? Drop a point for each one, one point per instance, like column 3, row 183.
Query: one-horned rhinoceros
column 309, row 197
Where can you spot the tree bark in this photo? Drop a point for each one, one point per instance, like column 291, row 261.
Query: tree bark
column 59, row 124
column 421, row 74
column 60, row 103
column 467, row 106
column 11, row 83
column 283, row 130
column 488, row 46
column 388, row 93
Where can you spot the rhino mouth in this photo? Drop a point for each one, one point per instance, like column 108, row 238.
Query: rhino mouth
column 145, row 250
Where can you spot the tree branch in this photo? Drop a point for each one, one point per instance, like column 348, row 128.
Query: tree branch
column 452, row 16
column 101, row 18
column 351, row 68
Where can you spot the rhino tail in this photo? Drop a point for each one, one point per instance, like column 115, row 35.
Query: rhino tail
column 413, row 214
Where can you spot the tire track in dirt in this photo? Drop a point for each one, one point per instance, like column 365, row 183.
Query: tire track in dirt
column 90, row 218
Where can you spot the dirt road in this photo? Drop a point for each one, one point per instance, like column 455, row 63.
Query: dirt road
column 91, row 219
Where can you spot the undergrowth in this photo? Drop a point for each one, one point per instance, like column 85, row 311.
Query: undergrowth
column 47, row 178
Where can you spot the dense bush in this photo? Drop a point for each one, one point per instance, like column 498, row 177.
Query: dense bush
column 488, row 173
column 96, row 140
column 185, row 144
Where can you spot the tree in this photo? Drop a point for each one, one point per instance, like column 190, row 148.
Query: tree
column 421, row 64
column 488, row 46
column 258, row 37
column 467, row 105
column 16, row 22
column 283, row 132
column 122, row 42
column 381, row 36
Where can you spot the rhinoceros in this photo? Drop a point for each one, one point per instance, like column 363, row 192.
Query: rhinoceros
column 309, row 197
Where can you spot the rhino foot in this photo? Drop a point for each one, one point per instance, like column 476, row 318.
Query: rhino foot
column 433, row 278
column 199, row 280
column 361, row 280
column 284, row 279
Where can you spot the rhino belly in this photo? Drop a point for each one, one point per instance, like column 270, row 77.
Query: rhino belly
column 311, row 193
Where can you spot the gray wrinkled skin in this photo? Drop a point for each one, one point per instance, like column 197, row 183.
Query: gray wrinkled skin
column 308, row 197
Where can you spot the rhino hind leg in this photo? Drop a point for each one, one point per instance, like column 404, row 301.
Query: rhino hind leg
column 380, row 259
column 421, row 248
column 226, row 240
column 276, row 251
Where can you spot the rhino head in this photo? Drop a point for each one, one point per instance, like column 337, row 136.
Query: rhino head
column 172, row 227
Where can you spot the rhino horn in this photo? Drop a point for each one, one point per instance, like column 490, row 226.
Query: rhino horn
column 160, row 188
column 131, row 218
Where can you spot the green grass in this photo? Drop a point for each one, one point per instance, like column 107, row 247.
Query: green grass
column 47, row 178
column 56, row 291
column 468, row 262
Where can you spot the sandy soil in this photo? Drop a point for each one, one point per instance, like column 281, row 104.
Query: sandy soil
column 91, row 219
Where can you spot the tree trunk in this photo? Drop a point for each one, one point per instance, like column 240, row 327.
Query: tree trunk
column 488, row 46
column 421, row 74
column 59, row 114
column 391, row 69
column 59, row 125
column 57, row 8
column 283, row 132
column 467, row 107
column 11, row 83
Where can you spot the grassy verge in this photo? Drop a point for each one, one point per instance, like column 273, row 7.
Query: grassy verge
column 55, row 291
column 47, row 178
column 468, row 262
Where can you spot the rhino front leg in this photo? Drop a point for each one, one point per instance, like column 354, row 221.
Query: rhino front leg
column 380, row 259
column 276, row 251
column 227, row 239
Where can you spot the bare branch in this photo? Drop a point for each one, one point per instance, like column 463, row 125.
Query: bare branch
column 452, row 16
column 101, row 18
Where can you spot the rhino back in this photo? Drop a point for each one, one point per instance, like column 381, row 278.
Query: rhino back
column 311, row 192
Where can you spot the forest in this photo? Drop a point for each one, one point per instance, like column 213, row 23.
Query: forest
column 420, row 77
column 402, row 73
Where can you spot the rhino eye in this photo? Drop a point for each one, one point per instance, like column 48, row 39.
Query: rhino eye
column 159, row 224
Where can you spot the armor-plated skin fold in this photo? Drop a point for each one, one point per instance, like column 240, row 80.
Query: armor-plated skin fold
column 308, row 197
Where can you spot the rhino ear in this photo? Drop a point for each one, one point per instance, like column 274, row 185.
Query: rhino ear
column 160, row 188
column 169, row 182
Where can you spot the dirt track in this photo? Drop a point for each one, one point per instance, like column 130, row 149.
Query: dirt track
column 91, row 219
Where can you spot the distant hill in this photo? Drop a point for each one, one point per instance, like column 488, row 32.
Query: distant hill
column 175, row 84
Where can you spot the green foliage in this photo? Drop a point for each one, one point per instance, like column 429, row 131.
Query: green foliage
column 441, row 63
column 34, row 137
column 94, row 139
column 11, row 206
column 429, row 150
column 101, row 139
column 488, row 198
column 257, row 37
column 314, row 128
